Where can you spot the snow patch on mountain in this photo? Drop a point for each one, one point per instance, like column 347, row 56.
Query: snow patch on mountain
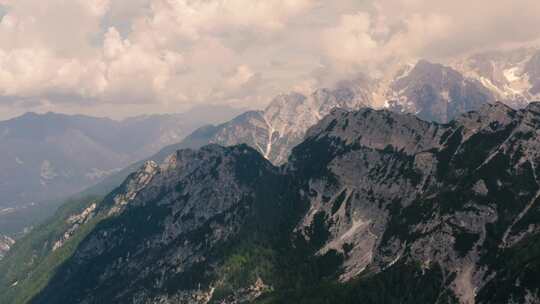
column 511, row 74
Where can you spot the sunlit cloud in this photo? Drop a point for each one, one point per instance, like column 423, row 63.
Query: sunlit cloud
column 168, row 55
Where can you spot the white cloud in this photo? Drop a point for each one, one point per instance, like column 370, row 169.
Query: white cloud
column 191, row 19
column 242, row 75
column 174, row 52
column 97, row 7
column 351, row 40
column 29, row 72
column 45, row 48
column 136, row 73
column 404, row 29
column 165, row 55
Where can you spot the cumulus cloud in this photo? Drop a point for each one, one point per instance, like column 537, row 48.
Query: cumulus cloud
column 404, row 29
column 166, row 55
column 351, row 40
column 241, row 76
column 41, row 54
column 159, row 52
column 134, row 72
column 193, row 19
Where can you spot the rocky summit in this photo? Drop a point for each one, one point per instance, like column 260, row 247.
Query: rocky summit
column 372, row 207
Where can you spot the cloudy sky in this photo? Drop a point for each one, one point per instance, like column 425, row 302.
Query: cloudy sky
column 125, row 57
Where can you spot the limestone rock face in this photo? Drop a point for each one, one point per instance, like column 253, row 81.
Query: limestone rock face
column 5, row 244
column 512, row 75
column 283, row 124
column 394, row 189
column 437, row 93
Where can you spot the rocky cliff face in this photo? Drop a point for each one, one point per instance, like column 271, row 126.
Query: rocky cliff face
column 447, row 197
column 282, row 125
column 436, row 93
column 512, row 75
column 373, row 206
column 5, row 244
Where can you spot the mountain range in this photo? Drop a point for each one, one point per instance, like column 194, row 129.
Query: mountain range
column 77, row 151
column 431, row 91
column 372, row 206
column 47, row 157
column 414, row 155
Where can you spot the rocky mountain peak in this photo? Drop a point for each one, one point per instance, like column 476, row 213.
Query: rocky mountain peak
column 492, row 114
column 276, row 130
column 376, row 129
column 436, row 93
column 425, row 70
column 133, row 185
column 534, row 107
column 532, row 70
column 511, row 75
